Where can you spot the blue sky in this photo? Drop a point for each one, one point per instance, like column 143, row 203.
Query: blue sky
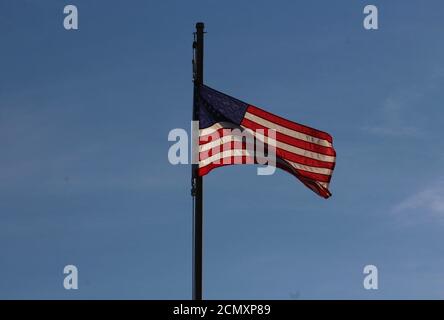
column 85, row 179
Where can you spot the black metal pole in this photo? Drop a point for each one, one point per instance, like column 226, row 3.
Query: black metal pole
column 196, row 181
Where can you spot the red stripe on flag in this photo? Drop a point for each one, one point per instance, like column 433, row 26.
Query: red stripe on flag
column 291, row 140
column 323, row 192
column 289, row 124
column 279, row 152
column 244, row 159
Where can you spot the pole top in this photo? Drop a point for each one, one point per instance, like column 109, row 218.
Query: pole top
column 200, row 25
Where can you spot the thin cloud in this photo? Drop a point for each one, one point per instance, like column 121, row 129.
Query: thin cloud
column 427, row 203
column 395, row 108
column 393, row 122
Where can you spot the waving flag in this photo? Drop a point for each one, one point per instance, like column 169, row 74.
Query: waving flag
column 304, row 152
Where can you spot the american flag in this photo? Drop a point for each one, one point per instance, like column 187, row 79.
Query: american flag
column 304, row 152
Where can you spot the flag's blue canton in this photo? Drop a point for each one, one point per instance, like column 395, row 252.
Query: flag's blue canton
column 214, row 106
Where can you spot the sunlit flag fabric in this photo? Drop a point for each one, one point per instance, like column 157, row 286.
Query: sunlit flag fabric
column 304, row 152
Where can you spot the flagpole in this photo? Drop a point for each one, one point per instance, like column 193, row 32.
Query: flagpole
column 196, row 180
